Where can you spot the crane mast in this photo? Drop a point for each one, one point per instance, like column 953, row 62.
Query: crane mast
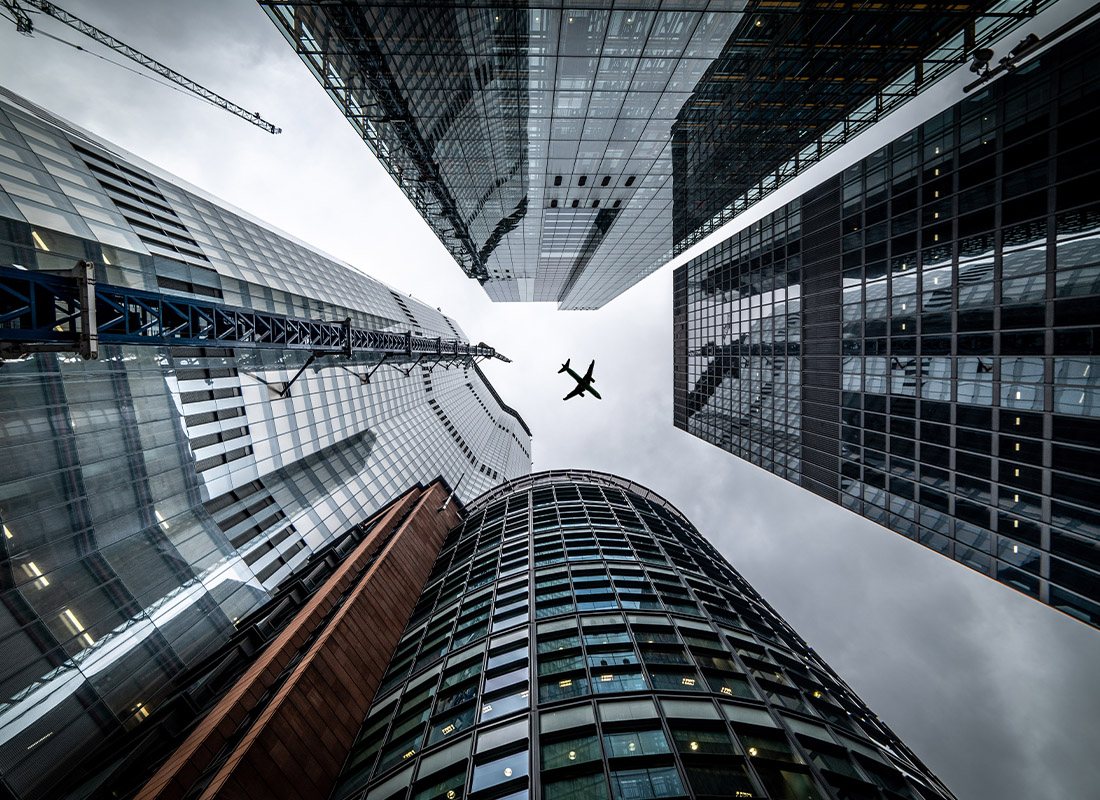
column 25, row 25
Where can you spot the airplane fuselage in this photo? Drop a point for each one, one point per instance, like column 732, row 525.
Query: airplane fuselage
column 586, row 386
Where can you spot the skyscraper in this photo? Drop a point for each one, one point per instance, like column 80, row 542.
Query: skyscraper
column 252, row 400
column 564, row 153
column 916, row 338
column 577, row 638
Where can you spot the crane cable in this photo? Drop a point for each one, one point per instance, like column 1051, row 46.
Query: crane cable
column 119, row 64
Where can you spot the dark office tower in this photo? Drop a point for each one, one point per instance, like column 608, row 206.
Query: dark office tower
column 252, row 400
column 563, row 152
column 578, row 639
column 918, row 338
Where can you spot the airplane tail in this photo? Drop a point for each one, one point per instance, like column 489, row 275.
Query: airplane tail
column 564, row 366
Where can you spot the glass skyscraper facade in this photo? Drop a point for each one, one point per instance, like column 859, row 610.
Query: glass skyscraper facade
column 153, row 497
column 916, row 338
column 564, row 151
column 578, row 639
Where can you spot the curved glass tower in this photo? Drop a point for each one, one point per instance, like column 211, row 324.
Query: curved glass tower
column 578, row 638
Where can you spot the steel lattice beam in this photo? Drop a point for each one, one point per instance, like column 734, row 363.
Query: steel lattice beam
column 42, row 311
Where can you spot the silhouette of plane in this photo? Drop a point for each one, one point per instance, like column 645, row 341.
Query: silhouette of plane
column 583, row 384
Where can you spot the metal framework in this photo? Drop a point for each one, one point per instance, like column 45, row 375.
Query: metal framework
column 25, row 25
column 71, row 312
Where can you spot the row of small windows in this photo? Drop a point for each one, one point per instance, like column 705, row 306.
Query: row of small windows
column 583, row 179
column 575, row 203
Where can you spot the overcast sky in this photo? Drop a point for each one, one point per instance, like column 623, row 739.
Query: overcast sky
column 995, row 692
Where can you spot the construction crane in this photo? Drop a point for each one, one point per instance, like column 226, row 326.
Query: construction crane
column 25, row 25
column 59, row 312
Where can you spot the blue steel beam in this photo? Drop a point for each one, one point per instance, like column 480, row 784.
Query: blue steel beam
column 42, row 311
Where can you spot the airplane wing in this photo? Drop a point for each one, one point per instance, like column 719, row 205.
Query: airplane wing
column 575, row 392
column 588, row 375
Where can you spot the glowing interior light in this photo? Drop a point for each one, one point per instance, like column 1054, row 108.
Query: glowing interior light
column 688, row 681
column 606, row 678
column 33, row 571
column 1015, row 498
column 409, row 754
column 817, row 694
column 694, row 745
column 1017, row 447
column 7, row 533
column 726, row 690
column 449, row 729
column 1017, row 395
column 752, row 751
column 1017, row 420
column 1015, row 523
column 75, row 626
column 572, row 755
column 140, row 711
column 567, row 682
column 160, row 519
column 507, row 772
column 451, row 795
column 38, row 241
column 486, row 707
column 631, row 747
column 106, row 260
column 1015, row 548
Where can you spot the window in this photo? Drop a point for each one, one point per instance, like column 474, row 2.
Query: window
column 495, row 707
column 586, row 787
column 642, row 784
column 570, row 752
column 702, row 742
column 501, row 770
column 607, row 680
column 722, row 781
column 635, row 743
column 566, row 718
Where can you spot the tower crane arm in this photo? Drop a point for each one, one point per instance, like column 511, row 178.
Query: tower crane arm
column 24, row 24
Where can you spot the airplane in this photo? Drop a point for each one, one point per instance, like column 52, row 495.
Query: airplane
column 583, row 384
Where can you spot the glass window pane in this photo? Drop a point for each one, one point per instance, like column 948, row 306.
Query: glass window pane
column 500, row 771
column 502, row 735
column 642, row 784
column 577, row 716
column 690, row 709
column 570, row 752
column 505, row 704
column 635, row 743
column 627, row 710
column 586, row 787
